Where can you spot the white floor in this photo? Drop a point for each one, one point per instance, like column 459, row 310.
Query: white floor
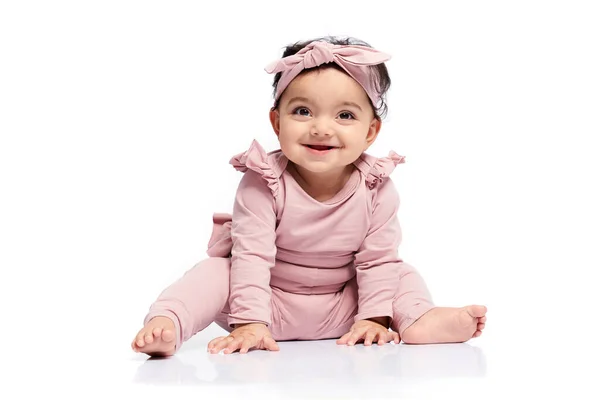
column 518, row 365
column 317, row 368
column 513, row 360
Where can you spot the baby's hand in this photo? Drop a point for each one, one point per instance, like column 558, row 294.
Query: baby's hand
column 369, row 332
column 244, row 338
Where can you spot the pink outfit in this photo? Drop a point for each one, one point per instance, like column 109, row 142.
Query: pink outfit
column 307, row 269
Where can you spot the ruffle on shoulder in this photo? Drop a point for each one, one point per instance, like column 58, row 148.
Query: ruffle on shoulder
column 382, row 168
column 257, row 160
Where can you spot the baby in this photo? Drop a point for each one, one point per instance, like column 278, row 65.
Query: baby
column 310, row 250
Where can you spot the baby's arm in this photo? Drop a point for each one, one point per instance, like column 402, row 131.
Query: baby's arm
column 253, row 252
column 378, row 267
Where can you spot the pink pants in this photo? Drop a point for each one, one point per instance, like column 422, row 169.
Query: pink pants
column 201, row 295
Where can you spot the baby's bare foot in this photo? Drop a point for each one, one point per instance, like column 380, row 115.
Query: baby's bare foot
column 447, row 325
column 156, row 338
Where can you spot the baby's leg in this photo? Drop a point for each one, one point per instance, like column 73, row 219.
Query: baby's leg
column 185, row 308
column 417, row 320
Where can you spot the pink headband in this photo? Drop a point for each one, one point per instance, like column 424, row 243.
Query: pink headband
column 353, row 59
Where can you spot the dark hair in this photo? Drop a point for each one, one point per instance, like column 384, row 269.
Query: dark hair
column 380, row 77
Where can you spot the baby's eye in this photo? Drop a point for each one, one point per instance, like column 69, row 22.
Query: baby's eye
column 302, row 111
column 346, row 115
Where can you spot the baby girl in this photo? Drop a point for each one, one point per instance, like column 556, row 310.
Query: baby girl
column 310, row 250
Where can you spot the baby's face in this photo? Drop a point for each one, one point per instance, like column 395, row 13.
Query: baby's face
column 328, row 108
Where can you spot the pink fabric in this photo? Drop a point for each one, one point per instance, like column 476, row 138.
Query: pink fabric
column 200, row 297
column 280, row 247
column 353, row 59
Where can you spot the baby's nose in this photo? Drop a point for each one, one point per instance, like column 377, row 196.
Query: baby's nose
column 321, row 127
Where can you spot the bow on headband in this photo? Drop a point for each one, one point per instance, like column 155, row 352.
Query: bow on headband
column 353, row 59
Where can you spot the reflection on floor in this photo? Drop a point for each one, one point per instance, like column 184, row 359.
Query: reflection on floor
column 321, row 363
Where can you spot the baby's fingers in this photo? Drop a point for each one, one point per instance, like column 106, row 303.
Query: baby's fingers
column 213, row 342
column 246, row 345
column 233, row 345
column 386, row 337
column 370, row 336
column 344, row 339
column 270, row 344
column 219, row 344
column 356, row 336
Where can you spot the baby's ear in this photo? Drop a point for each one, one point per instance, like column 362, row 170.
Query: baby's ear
column 274, row 118
column 374, row 128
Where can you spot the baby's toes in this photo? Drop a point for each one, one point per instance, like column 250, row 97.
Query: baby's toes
column 480, row 326
column 168, row 335
column 483, row 319
column 148, row 337
column 139, row 339
column 157, row 332
column 477, row 334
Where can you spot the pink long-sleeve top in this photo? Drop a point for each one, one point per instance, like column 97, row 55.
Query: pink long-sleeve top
column 279, row 236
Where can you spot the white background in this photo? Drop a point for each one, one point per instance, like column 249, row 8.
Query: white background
column 118, row 120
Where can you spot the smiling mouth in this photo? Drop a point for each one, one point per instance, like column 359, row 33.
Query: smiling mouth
column 319, row 147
